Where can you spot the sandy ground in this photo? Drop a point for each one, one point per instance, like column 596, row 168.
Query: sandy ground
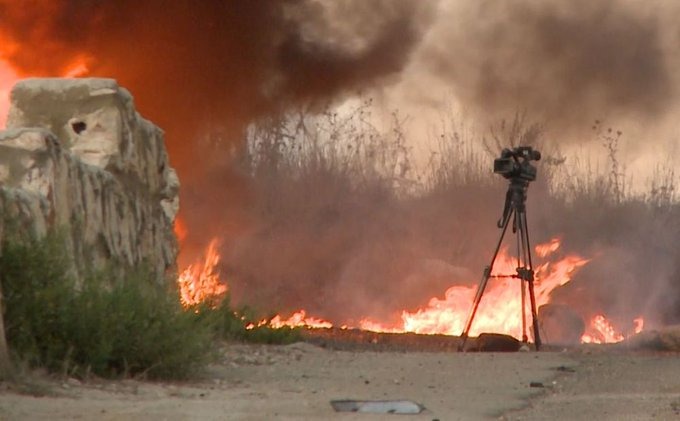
column 605, row 386
column 297, row 382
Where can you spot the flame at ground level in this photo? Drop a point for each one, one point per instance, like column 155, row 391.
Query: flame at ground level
column 500, row 309
column 298, row 319
column 600, row 330
column 200, row 282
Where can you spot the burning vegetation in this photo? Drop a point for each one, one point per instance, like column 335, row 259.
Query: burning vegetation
column 500, row 312
column 200, row 283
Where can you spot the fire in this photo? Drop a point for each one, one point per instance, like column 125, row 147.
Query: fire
column 543, row 250
column 200, row 282
column 79, row 67
column 639, row 324
column 298, row 319
column 370, row 325
column 180, row 229
column 500, row 309
column 601, row 330
column 7, row 79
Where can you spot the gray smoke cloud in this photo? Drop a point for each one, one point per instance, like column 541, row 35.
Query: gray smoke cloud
column 563, row 62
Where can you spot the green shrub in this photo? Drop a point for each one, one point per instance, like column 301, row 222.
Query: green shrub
column 130, row 328
column 138, row 327
column 36, row 290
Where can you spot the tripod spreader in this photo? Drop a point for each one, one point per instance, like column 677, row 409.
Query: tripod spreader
column 525, row 274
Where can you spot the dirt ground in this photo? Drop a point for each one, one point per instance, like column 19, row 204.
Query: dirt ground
column 297, row 382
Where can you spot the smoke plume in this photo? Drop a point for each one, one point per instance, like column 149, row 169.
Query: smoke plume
column 221, row 62
column 563, row 62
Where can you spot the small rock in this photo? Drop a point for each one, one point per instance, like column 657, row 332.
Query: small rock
column 496, row 342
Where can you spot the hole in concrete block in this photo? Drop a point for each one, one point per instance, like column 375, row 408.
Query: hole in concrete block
column 79, row 126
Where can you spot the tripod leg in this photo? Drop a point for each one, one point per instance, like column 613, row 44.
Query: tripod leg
column 521, row 262
column 525, row 338
column 534, row 315
column 482, row 286
column 532, row 295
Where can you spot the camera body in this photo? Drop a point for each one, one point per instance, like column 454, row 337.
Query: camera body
column 516, row 163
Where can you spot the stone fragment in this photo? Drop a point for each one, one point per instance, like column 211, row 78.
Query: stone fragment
column 497, row 342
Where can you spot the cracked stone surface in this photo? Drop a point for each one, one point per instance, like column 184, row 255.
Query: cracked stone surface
column 77, row 156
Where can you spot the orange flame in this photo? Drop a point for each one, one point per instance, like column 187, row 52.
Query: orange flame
column 79, row 67
column 200, row 282
column 298, row 319
column 180, row 229
column 500, row 309
column 544, row 250
column 8, row 78
column 602, row 331
column 639, row 325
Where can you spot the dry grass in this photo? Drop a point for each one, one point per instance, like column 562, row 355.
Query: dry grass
column 342, row 223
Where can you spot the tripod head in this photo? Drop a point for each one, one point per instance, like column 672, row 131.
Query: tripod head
column 515, row 165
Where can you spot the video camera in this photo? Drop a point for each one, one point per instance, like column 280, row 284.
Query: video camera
column 515, row 163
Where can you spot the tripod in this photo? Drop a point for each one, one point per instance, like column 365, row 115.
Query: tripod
column 515, row 209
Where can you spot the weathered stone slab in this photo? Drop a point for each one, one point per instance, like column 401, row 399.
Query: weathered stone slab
column 77, row 156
